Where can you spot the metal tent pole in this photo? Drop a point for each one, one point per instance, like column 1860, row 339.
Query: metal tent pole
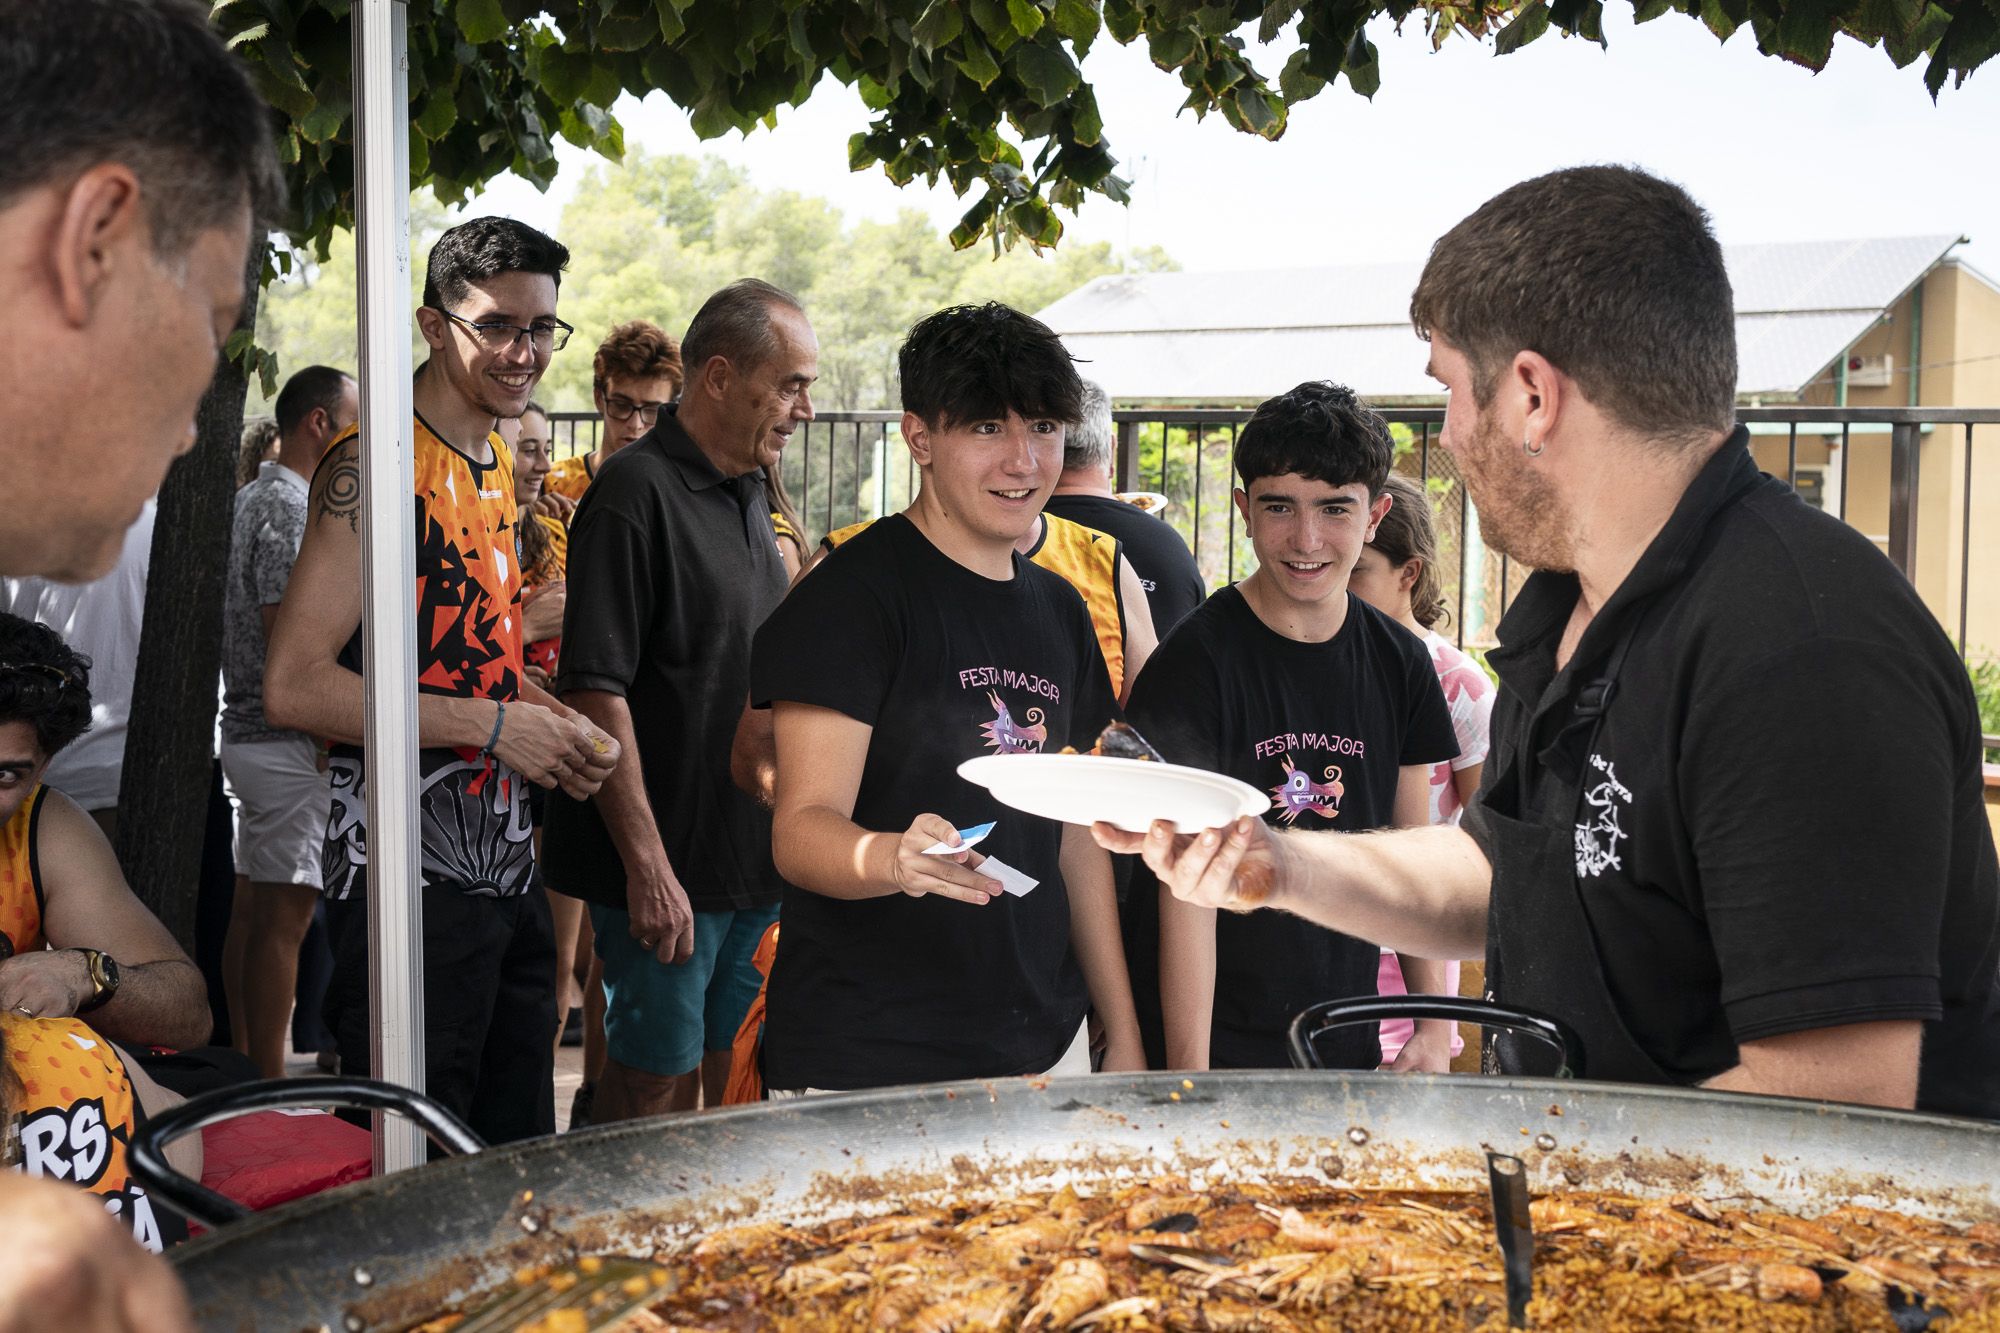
column 388, row 563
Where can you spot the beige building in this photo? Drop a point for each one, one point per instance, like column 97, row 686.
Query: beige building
column 1884, row 323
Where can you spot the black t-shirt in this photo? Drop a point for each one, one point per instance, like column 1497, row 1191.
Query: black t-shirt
column 1791, row 834
column 1324, row 729
column 672, row 567
column 1165, row 566
column 945, row 665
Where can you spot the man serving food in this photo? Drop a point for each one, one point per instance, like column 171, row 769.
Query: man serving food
column 1643, row 861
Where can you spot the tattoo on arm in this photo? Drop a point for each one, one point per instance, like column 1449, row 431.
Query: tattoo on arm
column 340, row 494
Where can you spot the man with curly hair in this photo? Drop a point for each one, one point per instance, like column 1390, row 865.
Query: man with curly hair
column 636, row 373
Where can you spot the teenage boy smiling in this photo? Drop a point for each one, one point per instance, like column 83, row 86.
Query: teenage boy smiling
column 1289, row 684
column 894, row 966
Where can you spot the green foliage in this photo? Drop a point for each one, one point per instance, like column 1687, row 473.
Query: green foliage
column 987, row 96
column 1985, row 673
column 652, row 238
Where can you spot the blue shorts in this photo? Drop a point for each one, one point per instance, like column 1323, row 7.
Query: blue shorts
column 659, row 1017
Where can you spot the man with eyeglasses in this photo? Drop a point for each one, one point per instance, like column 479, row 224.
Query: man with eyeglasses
column 673, row 564
column 484, row 730
column 636, row 373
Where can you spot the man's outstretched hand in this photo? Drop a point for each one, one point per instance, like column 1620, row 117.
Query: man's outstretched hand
column 1238, row 869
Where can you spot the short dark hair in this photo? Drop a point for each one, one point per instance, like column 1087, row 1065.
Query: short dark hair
column 735, row 324
column 640, row 349
column 313, row 387
column 1614, row 275
column 485, row 248
column 976, row 362
column 43, row 682
column 146, row 83
column 1321, row 431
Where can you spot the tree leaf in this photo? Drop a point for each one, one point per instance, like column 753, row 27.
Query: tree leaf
column 939, row 25
column 440, row 113
column 1277, row 14
column 1584, row 18
column 1296, row 82
column 1123, row 21
column 330, row 111
column 1363, row 66
column 627, row 32
column 1078, row 21
column 480, row 20
column 1026, row 16
column 1046, row 72
column 1645, row 11
column 1171, row 48
column 249, row 34
column 1804, row 35
column 977, row 62
column 1530, row 23
column 564, row 75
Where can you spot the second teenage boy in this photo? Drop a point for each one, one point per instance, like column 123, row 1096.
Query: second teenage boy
column 921, row 643
column 1314, row 697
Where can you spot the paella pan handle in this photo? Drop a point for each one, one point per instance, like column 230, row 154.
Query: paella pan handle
column 147, row 1156
column 1327, row 1015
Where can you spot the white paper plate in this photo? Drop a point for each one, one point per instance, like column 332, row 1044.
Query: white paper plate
column 1130, row 793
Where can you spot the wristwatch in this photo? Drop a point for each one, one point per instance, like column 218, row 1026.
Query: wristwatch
column 104, row 978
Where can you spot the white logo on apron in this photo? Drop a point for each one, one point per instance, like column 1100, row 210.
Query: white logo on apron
column 1598, row 835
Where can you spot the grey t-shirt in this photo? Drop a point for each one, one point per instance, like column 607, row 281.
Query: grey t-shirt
column 264, row 540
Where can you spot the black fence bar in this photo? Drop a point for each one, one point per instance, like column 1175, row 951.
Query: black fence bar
column 1166, row 447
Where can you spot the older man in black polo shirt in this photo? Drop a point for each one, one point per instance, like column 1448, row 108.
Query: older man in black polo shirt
column 673, row 565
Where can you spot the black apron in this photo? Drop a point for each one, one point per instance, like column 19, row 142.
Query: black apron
column 1541, row 951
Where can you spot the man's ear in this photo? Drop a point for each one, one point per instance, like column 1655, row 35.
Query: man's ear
column 1377, row 512
column 1242, row 499
column 100, row 229
column 435, row 328
column 713, row 377
column 917, row 438
column 1539, row 389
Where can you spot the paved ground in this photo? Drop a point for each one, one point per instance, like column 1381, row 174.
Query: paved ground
column 569, row 1073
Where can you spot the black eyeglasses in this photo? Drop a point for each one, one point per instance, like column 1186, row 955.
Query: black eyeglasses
column 621, row 409
column 547, row 335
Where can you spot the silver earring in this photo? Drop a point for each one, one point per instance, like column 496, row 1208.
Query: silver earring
column 1532, row 449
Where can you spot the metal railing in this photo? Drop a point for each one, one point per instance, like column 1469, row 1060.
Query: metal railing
column 845, row 467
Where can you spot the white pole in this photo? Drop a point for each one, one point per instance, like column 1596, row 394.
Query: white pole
column 388, row 563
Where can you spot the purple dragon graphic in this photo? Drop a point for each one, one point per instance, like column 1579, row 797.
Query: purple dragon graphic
column 1007, row 736
column 1299, row 793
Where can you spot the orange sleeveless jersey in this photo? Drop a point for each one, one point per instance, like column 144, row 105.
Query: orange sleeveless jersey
column 1085, row 557
column 569, row 478
column 76, row 1115
column 21, row 876
column 552, row 568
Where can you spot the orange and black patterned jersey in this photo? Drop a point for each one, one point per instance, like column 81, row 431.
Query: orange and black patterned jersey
column 468, row 605
column 75, row 1117
column 570, row 478
column 21, row 876
column 1089, row 560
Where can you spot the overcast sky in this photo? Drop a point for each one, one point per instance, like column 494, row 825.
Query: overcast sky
column 1774, row 151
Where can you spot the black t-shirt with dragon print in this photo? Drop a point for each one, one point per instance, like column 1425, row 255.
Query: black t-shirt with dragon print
column 1323, row 729
column 944, row 665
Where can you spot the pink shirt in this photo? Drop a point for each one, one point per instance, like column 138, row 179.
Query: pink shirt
column 1468, row 694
